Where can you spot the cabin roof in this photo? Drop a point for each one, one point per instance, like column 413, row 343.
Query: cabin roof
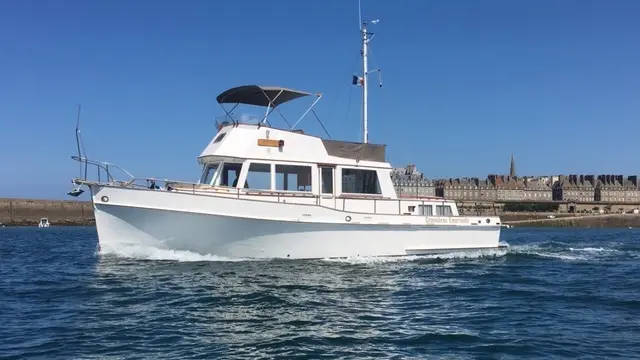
column 355, row 150
column 259, row 95
column 241, row 142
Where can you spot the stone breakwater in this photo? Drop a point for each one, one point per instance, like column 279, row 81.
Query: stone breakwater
column 27, row 212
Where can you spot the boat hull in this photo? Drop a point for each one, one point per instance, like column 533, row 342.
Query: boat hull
column 176, row 227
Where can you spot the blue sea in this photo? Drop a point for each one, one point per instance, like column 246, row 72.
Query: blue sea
column 556, row 294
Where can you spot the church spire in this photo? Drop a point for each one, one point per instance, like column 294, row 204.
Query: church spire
column 512, row 168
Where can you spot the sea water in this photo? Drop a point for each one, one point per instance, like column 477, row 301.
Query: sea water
column 557, row 293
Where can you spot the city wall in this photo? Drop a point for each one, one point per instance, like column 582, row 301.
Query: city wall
column 584, row 221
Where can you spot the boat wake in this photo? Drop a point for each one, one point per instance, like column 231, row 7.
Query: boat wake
column 565, row 252
column 544, row 250
column 456, row 255
column 140, row 252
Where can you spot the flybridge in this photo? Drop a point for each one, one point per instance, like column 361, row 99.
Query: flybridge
column 269, row 97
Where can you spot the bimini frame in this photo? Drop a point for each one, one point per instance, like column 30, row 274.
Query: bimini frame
column 266, row 96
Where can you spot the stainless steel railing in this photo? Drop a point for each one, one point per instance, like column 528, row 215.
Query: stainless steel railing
column 104, row 171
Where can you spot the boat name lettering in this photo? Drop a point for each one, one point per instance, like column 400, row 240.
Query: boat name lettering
column 446, row 220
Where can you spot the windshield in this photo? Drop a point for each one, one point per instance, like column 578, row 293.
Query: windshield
column 230, row 173
column 207, row 175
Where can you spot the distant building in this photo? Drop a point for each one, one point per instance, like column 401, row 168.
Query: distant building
column 617, row 189
column 609, row 188
column 512, row 167
column 466, row 189
column 507, row 187
column 632, row 189
column 409, row 182
column 578, row 188
column 538, row 189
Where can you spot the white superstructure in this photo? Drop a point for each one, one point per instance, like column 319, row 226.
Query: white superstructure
column 268, row 192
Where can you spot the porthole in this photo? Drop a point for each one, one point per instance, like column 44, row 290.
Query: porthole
column 348, row 218
column 105, row 199
column 488, row 221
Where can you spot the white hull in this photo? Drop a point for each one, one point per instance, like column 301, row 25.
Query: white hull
column 213, row 225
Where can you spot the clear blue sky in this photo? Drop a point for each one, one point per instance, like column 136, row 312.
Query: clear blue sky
column 466, row 83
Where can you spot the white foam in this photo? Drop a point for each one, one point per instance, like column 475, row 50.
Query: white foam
column 471, row 254
column 569, row 253
column 474, row 254
column 559, row 256
column 372, row 259
column 152, row 253
column 591, row 249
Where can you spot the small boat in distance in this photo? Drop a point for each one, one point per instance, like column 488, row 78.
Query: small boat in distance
column 269, row 192
column 44, row 223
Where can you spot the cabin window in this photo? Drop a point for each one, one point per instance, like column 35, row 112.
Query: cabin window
column 425, row 210
column 357, row 181
column 293, row 178
column 258, row 177
column 208, row 174
column 230, row 174
column 443, row 210
column 327, row 180
column 219, row 138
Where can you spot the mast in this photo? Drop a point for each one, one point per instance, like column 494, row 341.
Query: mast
column 363, row 81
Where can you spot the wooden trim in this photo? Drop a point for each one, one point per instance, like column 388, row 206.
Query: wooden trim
column 269, row 142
